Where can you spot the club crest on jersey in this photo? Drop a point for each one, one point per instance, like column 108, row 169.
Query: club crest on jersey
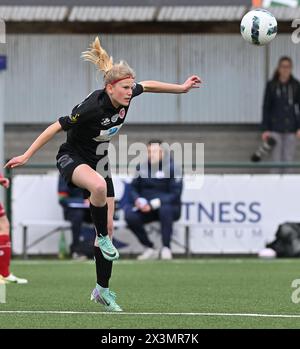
column 105, row 122
column 122, row 113
column 74, row 118
column 114, row 118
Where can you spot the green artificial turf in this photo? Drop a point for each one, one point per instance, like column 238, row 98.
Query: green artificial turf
column 198, row 286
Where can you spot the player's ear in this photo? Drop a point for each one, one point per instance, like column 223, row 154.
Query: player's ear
column 109, row 88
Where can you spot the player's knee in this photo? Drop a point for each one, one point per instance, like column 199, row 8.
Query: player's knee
column 100, row 189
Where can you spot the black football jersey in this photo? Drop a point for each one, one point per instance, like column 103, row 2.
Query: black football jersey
column 92, row 122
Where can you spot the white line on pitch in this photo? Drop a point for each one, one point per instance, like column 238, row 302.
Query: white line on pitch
column 176, row 261
column 144, row 314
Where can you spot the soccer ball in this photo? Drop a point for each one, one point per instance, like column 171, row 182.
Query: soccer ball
column 259, row 27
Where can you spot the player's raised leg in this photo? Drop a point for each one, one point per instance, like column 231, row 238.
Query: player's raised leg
column 85, row 177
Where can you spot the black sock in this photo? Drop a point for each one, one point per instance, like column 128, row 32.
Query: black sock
column 99, row 217
column 103, row 268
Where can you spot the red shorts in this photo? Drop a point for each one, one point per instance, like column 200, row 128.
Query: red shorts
column 2, row 210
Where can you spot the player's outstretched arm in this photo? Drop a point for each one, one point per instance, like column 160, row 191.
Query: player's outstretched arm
column 162, row 87
column 42, row 139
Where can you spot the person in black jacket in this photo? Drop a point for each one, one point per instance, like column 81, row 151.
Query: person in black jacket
column 83, row 159
column 76, row 210
column 281, row 111
column 155, row 198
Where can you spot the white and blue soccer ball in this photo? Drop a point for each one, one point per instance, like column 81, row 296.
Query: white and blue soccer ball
column 259, row 27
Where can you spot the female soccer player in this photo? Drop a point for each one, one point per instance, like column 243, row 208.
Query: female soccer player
column 91, row 124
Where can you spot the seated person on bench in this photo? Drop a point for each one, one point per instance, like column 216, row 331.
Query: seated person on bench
column 76, row 211
column 155, row 199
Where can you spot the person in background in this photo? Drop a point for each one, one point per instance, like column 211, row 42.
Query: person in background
column 5, row 244
column 281, row 112
column 75, row 208
column 155, row 198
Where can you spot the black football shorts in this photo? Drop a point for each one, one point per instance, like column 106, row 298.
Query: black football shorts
column 66, row 164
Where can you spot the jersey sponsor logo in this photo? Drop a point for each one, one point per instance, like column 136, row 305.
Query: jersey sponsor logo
column 122, row 113
column 106, row 135
column 114, row 118
column 74, row 118
column 105, row 122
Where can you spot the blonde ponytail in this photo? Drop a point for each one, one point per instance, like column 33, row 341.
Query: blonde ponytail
column 112, row 72
column 97, row 55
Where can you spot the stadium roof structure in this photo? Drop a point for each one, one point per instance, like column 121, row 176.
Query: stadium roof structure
column 71, row 3
column 132, row 10
column 131, row 16
column 124, row 11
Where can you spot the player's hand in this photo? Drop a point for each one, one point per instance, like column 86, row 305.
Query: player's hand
column 192, row 82
column 265, row 135
column 4, row 182
column 298, row 134
column 146, row 208
column 140, row 203
column 16, row 161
